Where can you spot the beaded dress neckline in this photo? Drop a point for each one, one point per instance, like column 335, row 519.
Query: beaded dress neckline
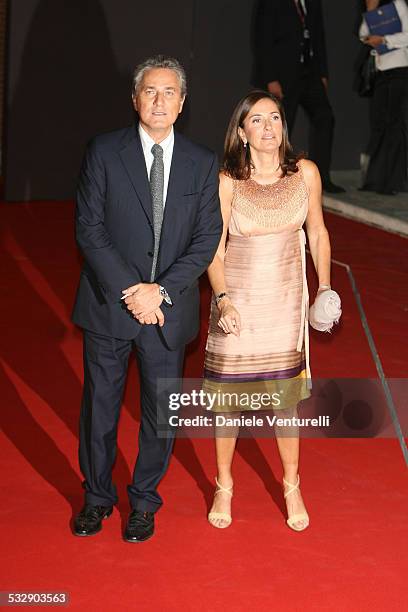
column 282, row 178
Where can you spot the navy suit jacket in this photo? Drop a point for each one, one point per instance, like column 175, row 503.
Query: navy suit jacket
column 114, row 231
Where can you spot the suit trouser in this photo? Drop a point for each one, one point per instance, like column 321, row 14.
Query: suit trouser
column 387, row 170
column 309, row 93
column 105, row 370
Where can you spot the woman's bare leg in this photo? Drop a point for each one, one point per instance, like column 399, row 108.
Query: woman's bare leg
column 287, row 439
column 225, row 442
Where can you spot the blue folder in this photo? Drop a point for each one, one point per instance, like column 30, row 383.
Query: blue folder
column 382, row 21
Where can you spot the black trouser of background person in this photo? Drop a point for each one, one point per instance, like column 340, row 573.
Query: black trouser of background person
column 310, row 93
column 387, row 149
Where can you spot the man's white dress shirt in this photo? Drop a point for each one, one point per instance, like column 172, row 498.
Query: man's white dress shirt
column 167, row 145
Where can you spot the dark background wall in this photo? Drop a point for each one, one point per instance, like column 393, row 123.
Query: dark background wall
column 68, row 77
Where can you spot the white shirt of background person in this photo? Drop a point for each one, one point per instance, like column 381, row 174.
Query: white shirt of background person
column 398, row 57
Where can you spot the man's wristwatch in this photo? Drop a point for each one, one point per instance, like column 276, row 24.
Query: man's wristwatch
column 165, row 296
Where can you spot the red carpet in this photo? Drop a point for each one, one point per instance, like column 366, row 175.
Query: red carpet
column 353, row 556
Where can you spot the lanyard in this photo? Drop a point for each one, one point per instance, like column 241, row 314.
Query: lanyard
column 300, row 11
column 306, row 50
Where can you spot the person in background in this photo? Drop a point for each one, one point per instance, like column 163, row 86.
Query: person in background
column 291, row 63
column 387, row 149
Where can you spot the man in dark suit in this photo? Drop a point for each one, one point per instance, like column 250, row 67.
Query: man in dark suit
column 148, row 223
column 291, row 63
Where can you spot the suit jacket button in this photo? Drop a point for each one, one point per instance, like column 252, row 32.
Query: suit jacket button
column 150, row 253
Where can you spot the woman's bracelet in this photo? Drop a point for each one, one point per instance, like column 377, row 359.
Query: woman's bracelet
column 220, row 296
column 324, row 287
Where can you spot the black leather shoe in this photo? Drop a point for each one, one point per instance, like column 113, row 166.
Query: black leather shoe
column 139, row 527
column 330, row 187
column 89, row 520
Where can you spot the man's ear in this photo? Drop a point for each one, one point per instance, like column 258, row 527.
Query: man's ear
column 182, row 103
column 134, row 101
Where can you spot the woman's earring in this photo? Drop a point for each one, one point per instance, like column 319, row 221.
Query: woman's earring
column 245, row 144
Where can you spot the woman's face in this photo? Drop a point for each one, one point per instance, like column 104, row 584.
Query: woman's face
column 263, row 127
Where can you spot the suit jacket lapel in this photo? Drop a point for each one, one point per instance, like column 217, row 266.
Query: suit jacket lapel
column 179, row 180
column 133, row 159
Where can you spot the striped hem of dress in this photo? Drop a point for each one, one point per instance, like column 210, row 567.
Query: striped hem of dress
column 256, row 376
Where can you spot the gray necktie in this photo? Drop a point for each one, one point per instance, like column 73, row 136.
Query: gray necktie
column 156, row 188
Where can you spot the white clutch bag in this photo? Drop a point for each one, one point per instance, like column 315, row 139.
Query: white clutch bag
column 325, row 311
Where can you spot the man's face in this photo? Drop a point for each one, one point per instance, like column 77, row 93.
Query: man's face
column 158, row 101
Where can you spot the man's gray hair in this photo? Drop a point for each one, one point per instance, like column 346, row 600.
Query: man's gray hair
column 159, row 61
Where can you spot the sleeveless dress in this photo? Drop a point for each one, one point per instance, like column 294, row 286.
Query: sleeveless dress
column 265, row 273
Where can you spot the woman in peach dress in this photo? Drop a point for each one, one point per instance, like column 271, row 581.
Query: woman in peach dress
column 258, row 334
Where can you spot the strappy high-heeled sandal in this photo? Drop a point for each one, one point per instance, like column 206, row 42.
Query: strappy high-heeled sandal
column 213, row 516
column 301, row 516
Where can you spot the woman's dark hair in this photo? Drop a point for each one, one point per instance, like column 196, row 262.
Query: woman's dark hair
column 237, row 159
